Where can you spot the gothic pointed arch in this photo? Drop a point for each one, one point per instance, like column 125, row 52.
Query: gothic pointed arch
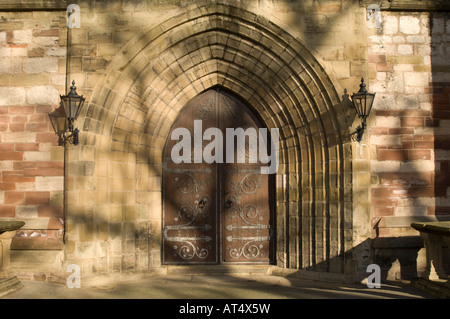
column 162, row 68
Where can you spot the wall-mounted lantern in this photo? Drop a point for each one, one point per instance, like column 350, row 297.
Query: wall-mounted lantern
column 63, row 117
column 362, row 101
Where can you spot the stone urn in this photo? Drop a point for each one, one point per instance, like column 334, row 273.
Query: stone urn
column 8, row 280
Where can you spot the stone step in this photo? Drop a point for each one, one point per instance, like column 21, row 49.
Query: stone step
column 218, row 269
column 439, row 289
column 9, row 284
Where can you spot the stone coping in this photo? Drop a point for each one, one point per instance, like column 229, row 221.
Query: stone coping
column 440, row 228
column 10, row 226
column 409, row 5
column 34, row 5
column 40, row 227
column 406, row 221
column 37, row 223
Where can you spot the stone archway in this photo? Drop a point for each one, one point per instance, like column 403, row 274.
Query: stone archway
column 130, row 114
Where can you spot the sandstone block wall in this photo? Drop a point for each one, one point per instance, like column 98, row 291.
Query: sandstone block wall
column 340, row 204
column 139, row 65
column 409, row 175
column 32, row 75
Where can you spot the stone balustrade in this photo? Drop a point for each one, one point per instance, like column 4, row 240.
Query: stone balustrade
column 8, row 281
column 435, row 235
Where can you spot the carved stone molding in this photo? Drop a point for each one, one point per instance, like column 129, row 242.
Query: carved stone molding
column 34, row 5
column 409, row 5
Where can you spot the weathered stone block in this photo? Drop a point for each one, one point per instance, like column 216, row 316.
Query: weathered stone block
column 50, row 183
column 409, row 24
column 41, row 65
column 12, row 96
column 46, row 95
column 405, row 49
column 390, row 24
column 22, row 36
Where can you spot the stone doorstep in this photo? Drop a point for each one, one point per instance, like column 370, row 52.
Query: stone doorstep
column 218, row 269
column 9, row 285
column 314, row 275
column 438, row 288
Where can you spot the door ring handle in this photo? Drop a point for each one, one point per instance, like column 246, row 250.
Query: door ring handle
column 201, row 204
column 228, row 203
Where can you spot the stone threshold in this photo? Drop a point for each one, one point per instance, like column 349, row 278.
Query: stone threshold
column 438, row 288
column 268, row 270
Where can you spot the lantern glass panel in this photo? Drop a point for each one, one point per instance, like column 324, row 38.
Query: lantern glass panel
column 358, row 102
column 73, row 103
column 72, row 106
column 61, row 125
column 59, row 121
column 363, row 103
column 370, row 97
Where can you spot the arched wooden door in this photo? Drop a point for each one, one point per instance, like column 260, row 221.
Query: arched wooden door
column 213, row 211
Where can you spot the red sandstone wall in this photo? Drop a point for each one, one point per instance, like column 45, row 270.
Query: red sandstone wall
column 32, row 75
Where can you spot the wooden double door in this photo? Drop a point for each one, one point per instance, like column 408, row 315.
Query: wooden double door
column 214, row 211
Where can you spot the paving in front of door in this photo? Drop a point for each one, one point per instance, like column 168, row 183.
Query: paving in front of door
column 211, row 287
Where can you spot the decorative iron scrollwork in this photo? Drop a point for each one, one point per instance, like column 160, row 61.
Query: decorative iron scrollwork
column 188, row 184
column 250, row 250
column 249, row 184
column 190, row 214
column 248, row 218
column 189, row 251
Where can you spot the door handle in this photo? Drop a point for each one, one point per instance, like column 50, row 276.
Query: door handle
column 228, row 203
column 201, row 204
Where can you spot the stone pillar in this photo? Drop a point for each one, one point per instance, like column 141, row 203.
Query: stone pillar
column 5, row 245
column 433, row 247
column 8, row 281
